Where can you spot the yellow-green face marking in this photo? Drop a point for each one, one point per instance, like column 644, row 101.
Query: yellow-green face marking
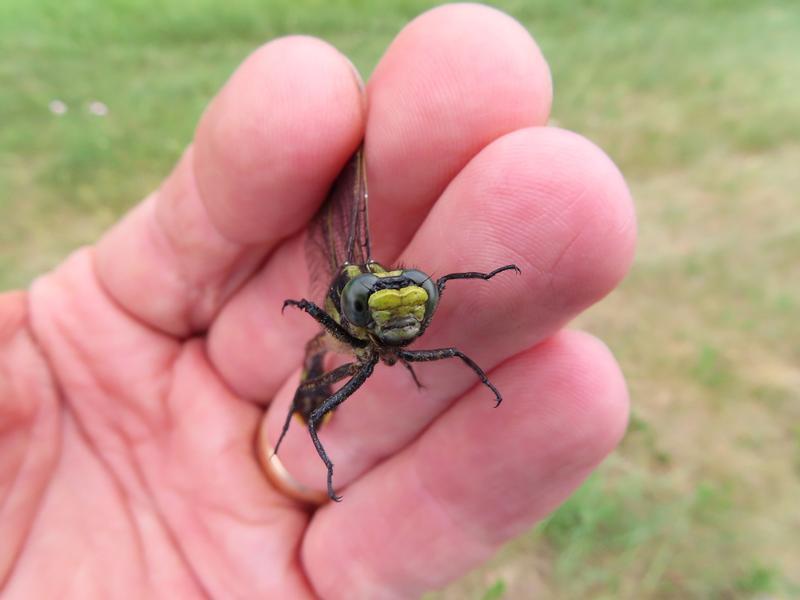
column 404, row 307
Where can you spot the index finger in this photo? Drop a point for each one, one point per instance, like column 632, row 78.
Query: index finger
column 264, row 155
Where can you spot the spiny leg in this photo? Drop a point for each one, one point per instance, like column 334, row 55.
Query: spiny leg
column 408, row 366
column 285, row 427
column 308, row 387
column 427, row 355
column 331, row 403
column 313, row 367
column 440, row 283
column 329, row 378
column 306, row 399
column 324, row 319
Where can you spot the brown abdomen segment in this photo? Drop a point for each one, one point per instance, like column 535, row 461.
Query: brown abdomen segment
column 305, row 401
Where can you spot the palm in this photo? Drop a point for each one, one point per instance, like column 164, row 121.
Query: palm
column 130, row 422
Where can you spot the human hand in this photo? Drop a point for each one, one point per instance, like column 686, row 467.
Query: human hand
column 135, row 376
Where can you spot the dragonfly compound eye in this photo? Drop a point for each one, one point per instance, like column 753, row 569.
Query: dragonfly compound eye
column 429, row 285
column 355, row 299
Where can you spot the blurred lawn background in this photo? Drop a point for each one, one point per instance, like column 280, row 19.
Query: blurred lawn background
column 699, row 104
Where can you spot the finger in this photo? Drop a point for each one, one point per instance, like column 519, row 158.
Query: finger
column 475, row 479
column 264, row 155
column 455, row 79
column 542, row 198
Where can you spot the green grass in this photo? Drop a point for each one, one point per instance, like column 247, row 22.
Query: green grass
column 698, row 104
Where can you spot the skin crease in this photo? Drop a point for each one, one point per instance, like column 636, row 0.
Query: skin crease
column 134, row 376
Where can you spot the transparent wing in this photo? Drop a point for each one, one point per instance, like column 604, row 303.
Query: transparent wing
column 339, row 232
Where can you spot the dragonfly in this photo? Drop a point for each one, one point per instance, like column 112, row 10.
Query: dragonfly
column 367, row 310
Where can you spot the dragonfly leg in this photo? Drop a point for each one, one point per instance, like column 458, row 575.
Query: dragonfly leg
column 331, row 403
column 408, row 366
column 329, row 378
column 286, row 423
column 324, row 319
column 427, row 355
column 308, row 390
column 473, row 275
column 303, row 402
column 312, row 368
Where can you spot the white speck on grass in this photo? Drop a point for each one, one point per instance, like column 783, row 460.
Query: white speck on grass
column 98, row 108
column 57, row 107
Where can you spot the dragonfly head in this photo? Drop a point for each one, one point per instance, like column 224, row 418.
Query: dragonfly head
column 393, row 306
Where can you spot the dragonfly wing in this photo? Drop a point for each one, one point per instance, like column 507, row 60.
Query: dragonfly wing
column 339, row 232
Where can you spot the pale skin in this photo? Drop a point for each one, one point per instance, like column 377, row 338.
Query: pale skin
column 134, row 376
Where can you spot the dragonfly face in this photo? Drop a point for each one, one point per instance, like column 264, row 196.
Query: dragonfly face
column 391, row 308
